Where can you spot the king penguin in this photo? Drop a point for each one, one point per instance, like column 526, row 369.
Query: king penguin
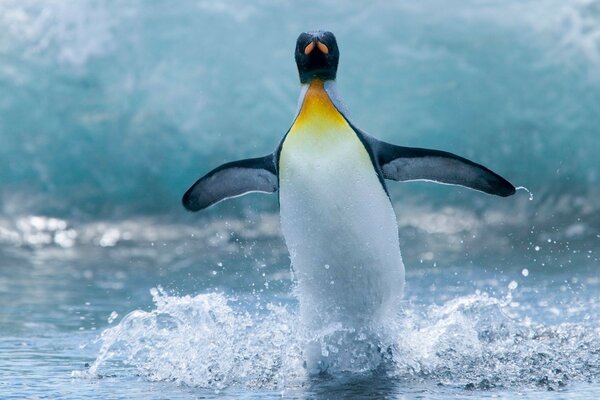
column 336, row 215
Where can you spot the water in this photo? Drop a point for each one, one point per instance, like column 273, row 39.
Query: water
column 85, row 317
column 109, row 111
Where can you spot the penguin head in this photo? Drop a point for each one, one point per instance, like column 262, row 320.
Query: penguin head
column 317, row 56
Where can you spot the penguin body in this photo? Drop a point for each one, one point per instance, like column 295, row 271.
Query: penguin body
column 337, row 220
column 336, row 215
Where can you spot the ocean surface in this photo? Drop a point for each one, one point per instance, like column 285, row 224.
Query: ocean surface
column 109, row 110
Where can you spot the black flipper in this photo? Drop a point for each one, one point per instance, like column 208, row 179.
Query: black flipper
column 231, row 180
column 413, row 164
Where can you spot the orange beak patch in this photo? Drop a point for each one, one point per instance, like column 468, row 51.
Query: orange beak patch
column 323, row 48
column 309, row 48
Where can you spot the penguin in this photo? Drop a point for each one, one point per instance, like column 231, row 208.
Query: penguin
column 336, row 214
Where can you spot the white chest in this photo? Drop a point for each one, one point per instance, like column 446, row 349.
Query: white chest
column 339, row 226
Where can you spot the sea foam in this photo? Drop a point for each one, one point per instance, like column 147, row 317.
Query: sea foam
column 208, row 341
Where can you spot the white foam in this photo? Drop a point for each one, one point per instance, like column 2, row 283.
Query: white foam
column 70, row 33
column 210, row 341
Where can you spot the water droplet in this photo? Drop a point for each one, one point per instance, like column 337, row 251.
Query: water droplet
column 527, row 190
column 513, row 285
column 525, row 272
column 111, row 318
column 326, row 266
column 537, row 248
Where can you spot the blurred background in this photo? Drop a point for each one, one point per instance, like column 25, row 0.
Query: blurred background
column 110, row 110
column 115, row 108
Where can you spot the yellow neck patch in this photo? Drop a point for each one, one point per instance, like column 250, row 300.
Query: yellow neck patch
column 321, row 144
column 317, row 114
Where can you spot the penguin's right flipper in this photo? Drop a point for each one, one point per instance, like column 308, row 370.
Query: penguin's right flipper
column 232, row 180
column 413, row 164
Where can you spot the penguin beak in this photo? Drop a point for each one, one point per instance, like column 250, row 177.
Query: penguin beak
column 315, row 43
column 309, row 48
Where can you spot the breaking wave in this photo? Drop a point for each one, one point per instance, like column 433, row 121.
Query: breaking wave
column 121, row 114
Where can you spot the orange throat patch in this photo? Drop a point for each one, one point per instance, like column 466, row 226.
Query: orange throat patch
column 317, row 113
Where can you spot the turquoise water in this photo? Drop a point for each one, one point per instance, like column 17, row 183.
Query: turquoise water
column 110, row 110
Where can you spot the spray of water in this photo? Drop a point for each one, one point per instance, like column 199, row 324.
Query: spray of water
column 527, row 190
column 208, row 341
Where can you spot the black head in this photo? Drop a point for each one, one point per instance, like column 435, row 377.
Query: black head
column 317, row 56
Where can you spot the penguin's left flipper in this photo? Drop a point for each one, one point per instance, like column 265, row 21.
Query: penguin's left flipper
column 232, row 180
column 414, row 164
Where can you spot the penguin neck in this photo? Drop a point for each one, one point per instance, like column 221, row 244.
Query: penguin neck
column 317, row 112
column 324, row 90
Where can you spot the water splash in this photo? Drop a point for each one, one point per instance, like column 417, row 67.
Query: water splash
column 471, row 341
column 202, row 341
column 527, row 190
